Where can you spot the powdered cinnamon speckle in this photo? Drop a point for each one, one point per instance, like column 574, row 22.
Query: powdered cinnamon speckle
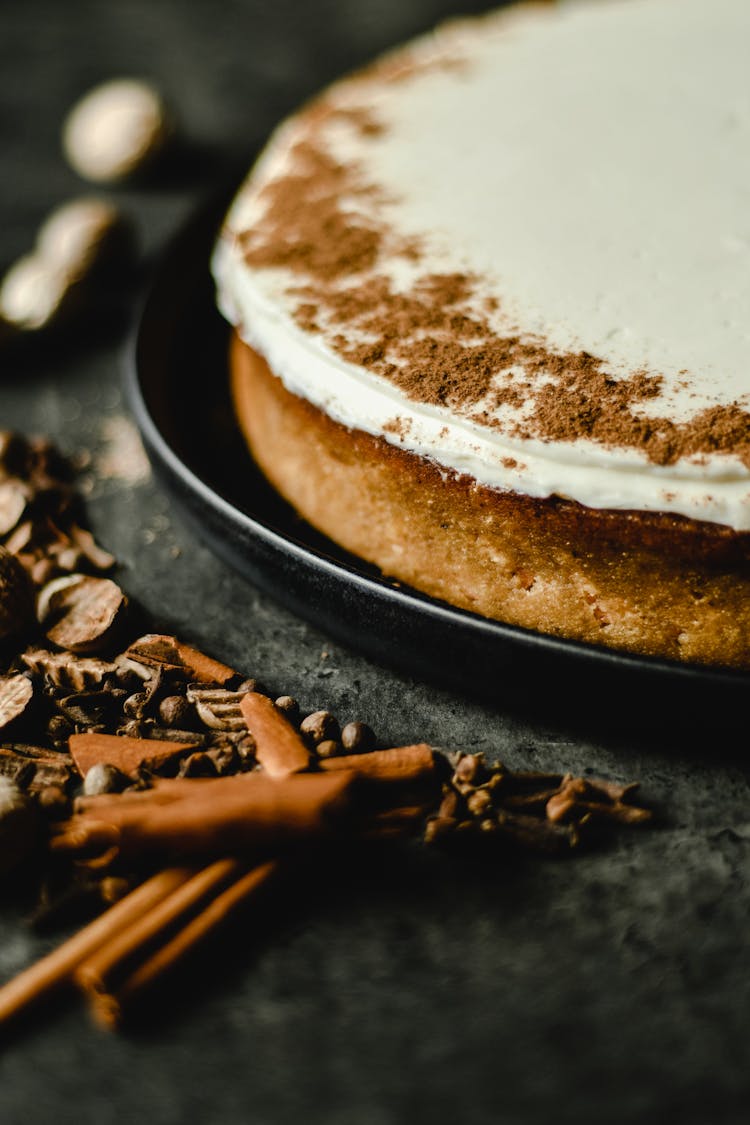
column 327, row 225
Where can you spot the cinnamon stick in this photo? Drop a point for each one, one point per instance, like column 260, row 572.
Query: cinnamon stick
column 57, row 968
column 127, row 754
column 401, row 763
column 278, row 747
column 246, row 813
column 111, row 963
column 113, row 981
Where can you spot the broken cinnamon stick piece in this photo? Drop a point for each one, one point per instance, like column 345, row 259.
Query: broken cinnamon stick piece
column 157, row 650
column 127, row 754
column 252, row 814
column 280, row 750
column 402, row 763
column 56, row 969
column 171, row 935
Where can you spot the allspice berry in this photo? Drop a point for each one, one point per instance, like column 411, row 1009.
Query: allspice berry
column 320, row 726
column 16, row 599
column 288, row 704
column 357, row 738
column 328, row 748
column 115, row 129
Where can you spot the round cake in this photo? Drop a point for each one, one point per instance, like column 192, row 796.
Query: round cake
column 490, row 306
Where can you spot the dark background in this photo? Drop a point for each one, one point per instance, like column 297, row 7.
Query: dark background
column 609, row 988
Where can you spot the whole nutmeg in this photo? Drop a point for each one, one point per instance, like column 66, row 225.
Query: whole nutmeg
column 16, row 597
column 18, row 826
column 79, row 612
column 115, row 129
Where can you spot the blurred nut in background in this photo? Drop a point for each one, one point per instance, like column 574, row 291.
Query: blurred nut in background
column 33, row 293
column 76, row 240
column 115, row 129
column 84, row 235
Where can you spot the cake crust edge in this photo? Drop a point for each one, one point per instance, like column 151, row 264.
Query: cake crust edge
column 654, row 584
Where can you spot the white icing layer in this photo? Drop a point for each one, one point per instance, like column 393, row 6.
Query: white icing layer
column 591, row 163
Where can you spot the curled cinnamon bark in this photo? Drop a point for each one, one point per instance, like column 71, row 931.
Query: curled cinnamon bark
column 57, row 968
column 245, row 814
column 116, row 977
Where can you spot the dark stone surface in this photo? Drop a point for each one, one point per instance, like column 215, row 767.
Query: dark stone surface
column 611, row 988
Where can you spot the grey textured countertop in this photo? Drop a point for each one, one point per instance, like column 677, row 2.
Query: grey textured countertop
column 614, row 987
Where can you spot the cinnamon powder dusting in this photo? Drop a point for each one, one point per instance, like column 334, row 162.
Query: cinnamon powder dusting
column 326, row 223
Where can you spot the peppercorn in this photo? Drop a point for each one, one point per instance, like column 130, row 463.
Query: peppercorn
column 176, row 711
column 328, row 748
column 289, row 706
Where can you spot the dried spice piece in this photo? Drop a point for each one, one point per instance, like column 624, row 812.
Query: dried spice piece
column 289, row 706
column 320, row 726
column 56, row 970
column 177, row 711
column 357, row 738
column 579, row 798
column 198, row 764
column 106, row 969
column 35, row 767
column 16, row 693
column 246, row 814
column 402, row 763
column 71, row 673
column 15, row 767
column 104, row 778
column 218, row 708
column 537, row 811
column 328, row 748
column 278, row 747
column 80, row 613
column 168, row 653
column 109, row 1007
column 127, row 754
